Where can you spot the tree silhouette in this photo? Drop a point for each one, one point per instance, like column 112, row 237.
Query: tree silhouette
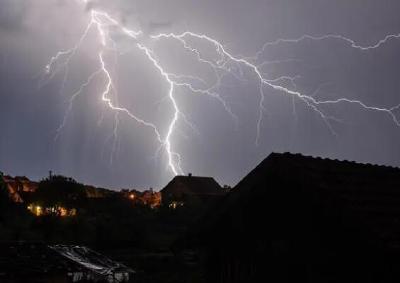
column 59, row 191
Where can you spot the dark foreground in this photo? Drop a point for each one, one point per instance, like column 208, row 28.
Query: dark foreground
column 292, row 219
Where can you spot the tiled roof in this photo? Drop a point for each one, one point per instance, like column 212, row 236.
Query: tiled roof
column 367, row 195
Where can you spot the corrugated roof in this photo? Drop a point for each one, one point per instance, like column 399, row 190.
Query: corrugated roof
column 90, row 259
column 38, row 259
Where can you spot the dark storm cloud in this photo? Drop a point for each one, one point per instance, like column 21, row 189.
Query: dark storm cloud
column 30, row 116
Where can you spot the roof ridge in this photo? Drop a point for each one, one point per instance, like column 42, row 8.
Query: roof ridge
column 352, row 162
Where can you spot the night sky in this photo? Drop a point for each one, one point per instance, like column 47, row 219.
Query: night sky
column 97, row 145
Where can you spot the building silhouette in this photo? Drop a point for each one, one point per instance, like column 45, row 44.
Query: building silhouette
column 190, row 191
column 303, row 219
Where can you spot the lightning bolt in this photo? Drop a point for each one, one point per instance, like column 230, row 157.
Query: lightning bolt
column 225, row 63
column 347, row 40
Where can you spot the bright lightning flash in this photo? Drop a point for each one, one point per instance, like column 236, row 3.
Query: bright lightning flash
column 226, row 63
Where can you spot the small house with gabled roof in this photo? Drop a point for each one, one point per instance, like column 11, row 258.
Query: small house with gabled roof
column 190, row 190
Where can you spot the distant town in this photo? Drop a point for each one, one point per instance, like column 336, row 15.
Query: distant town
column 181, row 190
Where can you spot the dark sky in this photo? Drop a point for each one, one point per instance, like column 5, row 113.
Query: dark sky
column 90, row 149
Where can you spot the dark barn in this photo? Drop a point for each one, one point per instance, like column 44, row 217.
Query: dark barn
column 303, row 219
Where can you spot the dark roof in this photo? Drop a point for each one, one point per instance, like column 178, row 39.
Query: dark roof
column 333, row 173
column 196, row 185
column 368, row 195
column 22, row 178
column 337, row 221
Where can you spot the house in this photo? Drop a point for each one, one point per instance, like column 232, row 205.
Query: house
column 18, row 187
column 57, row 210
column 303, row 219
column 38, row 262
column 190, row 190
column 148, row 198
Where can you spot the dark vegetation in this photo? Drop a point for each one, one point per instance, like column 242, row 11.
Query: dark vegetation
column 15, row 221
column 60, row 191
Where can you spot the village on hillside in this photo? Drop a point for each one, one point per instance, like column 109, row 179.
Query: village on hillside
column 36, row 196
